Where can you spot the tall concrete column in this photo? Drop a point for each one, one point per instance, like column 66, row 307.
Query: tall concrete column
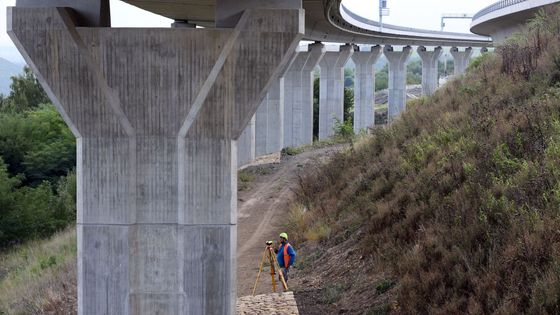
column 331, row 90
column 430, row 61
column 316, row 52
column 364, row 88
column 461, row 59
column 246, row 144
column 269, row 124
column 156, row 113
column 298, row 96
column 398, row 61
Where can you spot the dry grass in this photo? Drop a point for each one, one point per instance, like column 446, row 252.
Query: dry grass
column 40, row 277
column 459, row 198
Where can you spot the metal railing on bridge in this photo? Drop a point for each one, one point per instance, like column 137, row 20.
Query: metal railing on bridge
column 496, row 6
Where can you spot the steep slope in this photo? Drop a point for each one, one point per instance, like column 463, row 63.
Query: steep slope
column 454, row 208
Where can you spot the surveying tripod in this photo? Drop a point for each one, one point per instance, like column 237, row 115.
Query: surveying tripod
column 269, row 255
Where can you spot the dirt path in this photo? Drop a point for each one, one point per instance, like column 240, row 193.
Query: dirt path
column 262, row 212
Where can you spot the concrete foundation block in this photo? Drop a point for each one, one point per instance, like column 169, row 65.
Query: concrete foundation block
column 103, row 269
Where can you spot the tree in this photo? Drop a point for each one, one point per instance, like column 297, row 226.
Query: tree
column 349, row 105
column 37, row 144
column 316, row 85
column 382, row 78
column 26, row 93
column 414, row 72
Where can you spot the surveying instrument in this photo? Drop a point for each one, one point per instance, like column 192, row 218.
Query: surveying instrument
column 269, row 255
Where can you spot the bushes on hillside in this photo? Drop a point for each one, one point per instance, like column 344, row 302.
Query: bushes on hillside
column 37, row 145
column 37, row 156
column 459, row 199
column 28, row 213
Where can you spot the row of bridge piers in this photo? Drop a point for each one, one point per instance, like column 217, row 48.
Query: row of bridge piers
column 285, row 116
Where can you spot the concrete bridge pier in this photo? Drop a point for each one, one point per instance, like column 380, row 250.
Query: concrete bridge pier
column 430, row 61
column 397, row 79
column 331, row 90
column 156, row 113
column 269, row 122
column 298, row 96
column 246, row 144
column 364, row 88
column 461, row 59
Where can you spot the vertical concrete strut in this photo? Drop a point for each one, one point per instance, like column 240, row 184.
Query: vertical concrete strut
column 316, row 52
column 292, row 97
column 461, row 59
column 364, row 88
column 331, row 90
column 298, row 96
column 156, row 113
column 269, row 122
column 397, row 79
column 430, row 60
column 246, row 144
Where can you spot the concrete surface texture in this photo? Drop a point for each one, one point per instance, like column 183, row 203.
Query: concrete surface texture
column 331, row 89
column 298, row 96
column 398, row 61
column 461, row 59
column 269, row 124
column 156, row 113
column 246, row 144
column 430, row 60
column 364, row 87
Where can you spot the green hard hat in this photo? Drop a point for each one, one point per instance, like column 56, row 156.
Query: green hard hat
column 284, row 236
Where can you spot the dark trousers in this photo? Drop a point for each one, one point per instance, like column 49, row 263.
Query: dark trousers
column 284, row 273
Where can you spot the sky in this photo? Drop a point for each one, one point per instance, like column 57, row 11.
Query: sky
column 424, row 14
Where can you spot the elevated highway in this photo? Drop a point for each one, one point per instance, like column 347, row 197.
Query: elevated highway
column 325, row 20
column 503, row 18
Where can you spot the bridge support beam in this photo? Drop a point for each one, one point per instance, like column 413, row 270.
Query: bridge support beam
column 156, row 113
column 246, row 144
column 298, row 96
column 430, row 60
column 397, row 79
column 331, row 90
column 461, row 59
column 364, row 88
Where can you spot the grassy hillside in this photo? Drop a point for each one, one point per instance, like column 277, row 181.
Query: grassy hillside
column 40, row 276
column 454, row 208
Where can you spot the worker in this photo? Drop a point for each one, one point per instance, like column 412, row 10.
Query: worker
column 286, row 255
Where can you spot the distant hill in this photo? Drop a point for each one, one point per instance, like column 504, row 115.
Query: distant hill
column 7, row 70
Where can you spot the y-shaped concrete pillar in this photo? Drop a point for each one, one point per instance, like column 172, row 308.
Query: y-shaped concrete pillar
column 397, row 79
column 430, row 61
column 298, row 96
column 156, row 113
column 331, row 90
column 246, row 144
column 461, row 59
column 364, row 88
